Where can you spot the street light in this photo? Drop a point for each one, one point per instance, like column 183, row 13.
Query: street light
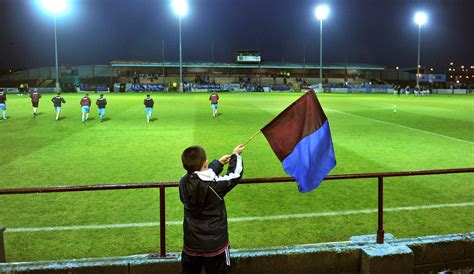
column 321, row 12
column 420, row 19
column 180, row 8
column 55, row 7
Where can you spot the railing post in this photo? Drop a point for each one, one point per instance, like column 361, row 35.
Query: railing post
column 2, row 246
column 380, row 232
column 162, row 223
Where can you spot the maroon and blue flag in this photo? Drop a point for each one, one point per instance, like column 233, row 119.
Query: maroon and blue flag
column 301, row 139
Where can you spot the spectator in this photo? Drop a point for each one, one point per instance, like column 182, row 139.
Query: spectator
column 202, row 191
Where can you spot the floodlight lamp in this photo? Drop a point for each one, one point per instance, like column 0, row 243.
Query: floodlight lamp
column 54, row 6
column 321, row 12
column 180, row 7
column 421, row 18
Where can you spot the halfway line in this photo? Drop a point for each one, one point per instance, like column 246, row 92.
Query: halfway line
column 239, row 220
column 388, row 123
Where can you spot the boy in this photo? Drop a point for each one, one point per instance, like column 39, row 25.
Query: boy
column 202, row 191
column 57, row 101
column 101, row 103
column 149, row 103
column 214, row 98
column 35, row 97
column 3, row 104
column 85, row 107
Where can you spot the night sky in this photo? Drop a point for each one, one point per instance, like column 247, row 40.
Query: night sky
column 378, row 32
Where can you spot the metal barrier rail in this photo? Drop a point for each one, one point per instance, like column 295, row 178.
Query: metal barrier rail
column 162, row 186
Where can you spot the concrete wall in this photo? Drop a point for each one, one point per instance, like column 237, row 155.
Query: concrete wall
column 418, row 255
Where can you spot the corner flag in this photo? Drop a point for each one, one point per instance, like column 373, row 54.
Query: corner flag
column 301, row 139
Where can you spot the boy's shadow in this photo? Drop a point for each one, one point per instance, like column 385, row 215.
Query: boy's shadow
column 153, row 119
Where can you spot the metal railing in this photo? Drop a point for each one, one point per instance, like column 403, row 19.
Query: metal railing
column 162, row 186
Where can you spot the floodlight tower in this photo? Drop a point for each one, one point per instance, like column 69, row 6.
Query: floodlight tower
column 55, row 7
column 180, row 8
column 420, row 18
column 321, row 12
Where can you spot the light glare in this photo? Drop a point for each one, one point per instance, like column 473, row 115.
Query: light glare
column 421, row 18
column 321, row 12
column 54, row 6
column 180, row 7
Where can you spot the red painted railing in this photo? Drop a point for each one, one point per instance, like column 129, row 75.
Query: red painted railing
column 162, row 186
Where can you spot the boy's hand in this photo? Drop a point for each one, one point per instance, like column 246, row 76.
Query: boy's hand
column 224, row 159
column 238, row 149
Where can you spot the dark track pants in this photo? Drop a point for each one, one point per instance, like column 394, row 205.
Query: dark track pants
column 219, row 264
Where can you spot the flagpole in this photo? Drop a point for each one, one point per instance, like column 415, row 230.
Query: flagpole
column 251, row 138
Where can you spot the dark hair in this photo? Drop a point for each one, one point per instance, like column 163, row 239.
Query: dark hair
column 193, row 158
column 148, row 95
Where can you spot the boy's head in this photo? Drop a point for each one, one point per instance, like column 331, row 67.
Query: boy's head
column 58, row 93
column 194, row 159
column 148, row 96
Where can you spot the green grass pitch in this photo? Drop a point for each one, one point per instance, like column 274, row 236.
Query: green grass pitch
column 432, row 132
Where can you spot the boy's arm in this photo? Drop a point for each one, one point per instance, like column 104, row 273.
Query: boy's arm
column 62, row 99
column 216, row 166
column 224, row 184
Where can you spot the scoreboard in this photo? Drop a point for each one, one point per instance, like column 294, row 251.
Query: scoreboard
column 248, row 56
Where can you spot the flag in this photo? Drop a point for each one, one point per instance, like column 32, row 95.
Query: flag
column 301, row 139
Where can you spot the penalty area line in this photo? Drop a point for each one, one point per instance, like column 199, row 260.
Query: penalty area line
column 240, row 219
column 402, row 126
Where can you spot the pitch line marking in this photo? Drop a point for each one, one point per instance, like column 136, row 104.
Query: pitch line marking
column 239, row 220
column 393, row 124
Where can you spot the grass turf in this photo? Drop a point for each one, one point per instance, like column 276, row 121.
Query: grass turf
column 369, row 136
